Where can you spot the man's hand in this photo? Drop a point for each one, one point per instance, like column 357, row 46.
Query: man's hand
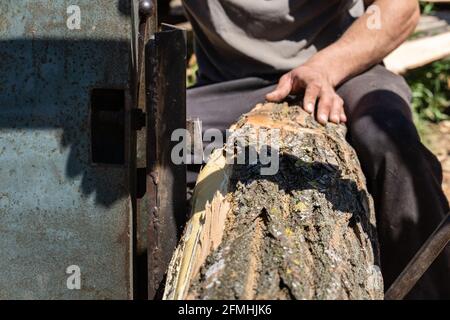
column 363, row 45
column 318, row 87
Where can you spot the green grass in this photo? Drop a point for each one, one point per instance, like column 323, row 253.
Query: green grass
column 191, row 72
column 431, row 93
column 430, row 86
column 426, row 8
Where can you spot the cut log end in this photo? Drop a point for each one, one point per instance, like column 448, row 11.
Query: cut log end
column 305, row 231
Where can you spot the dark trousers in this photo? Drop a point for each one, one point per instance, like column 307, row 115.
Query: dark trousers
column 403, row 177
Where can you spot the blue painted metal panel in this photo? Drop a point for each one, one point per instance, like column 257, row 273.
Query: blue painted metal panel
column 57, row 209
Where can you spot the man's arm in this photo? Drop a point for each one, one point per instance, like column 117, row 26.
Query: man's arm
column 361, row 46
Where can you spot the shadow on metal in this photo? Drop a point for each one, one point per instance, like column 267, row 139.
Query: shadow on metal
column 45, row 99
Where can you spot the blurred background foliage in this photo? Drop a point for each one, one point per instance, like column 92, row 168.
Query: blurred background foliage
column 430, row 86
column 426, row 7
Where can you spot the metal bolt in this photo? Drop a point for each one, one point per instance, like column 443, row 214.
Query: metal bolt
column 146, row 7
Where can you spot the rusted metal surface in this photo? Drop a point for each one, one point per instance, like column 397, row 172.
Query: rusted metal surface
column 166, row 187
column 57, row 208
column 421, row 261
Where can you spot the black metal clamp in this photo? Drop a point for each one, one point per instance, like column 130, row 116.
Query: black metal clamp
column 423, row 259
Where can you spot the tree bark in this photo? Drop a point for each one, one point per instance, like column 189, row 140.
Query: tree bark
column 306, row 232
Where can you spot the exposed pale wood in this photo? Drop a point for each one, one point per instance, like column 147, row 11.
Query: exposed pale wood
column 417, row 53
column 185, row 26
column 205, row 228
column 307, row 232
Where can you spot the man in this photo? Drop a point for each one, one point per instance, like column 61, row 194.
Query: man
column 330, row 51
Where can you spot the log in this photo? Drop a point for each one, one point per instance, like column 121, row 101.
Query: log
column 306, row 232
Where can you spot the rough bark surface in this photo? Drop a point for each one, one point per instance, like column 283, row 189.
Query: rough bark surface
column 307, row 232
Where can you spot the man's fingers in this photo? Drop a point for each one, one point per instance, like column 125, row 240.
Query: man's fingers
column 330, row 107
column 324, row 108
column 311, row 94
column 336, row 110
column 282, row 90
